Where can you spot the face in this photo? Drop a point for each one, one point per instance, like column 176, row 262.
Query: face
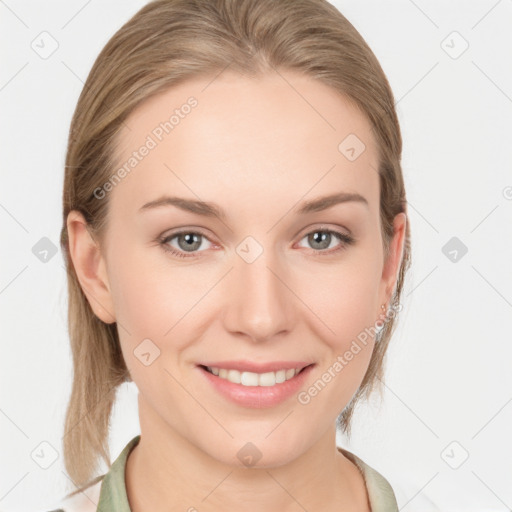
column 256, row 276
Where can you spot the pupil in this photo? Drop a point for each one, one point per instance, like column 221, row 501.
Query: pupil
column 190, row 239
column 321, row 236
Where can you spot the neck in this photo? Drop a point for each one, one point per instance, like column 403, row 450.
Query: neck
column 166, row 469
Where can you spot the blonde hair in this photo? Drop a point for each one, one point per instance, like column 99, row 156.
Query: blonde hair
column 165, row 43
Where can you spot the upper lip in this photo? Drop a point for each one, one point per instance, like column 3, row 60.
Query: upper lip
column 252, row 366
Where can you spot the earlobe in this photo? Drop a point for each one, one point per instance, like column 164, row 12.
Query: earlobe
column 90, row 267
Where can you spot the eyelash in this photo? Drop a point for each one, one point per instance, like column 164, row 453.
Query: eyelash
column 344, row 238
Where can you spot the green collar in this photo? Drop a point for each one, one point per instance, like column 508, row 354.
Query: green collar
column 113, row 487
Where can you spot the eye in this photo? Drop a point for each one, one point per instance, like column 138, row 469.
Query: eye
column 320, row 239
column 187, row 241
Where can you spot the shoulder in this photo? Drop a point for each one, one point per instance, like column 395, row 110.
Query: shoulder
column 385, row 498
column 105, row 492
column 380, row 493
column 84, row 500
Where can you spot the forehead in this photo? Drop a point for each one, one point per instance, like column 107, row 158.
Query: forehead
column 276, row 137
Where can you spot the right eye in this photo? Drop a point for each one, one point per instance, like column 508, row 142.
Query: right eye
column 187, row 239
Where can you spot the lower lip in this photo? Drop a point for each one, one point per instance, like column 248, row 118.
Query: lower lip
column 257, row 397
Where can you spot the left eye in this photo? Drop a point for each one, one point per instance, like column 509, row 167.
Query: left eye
column 191, row 241
column 323, row 237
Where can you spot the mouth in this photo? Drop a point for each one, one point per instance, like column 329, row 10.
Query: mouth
column 257, row 390
column 253, row 378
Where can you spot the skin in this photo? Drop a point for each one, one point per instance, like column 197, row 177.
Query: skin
column 258, row 149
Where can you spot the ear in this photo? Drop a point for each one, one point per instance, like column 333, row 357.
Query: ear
column 90, row 267
column 394, row 259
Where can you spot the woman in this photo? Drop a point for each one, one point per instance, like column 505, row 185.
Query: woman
column 236, row 240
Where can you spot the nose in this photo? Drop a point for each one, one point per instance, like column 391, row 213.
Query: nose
column 259, row 303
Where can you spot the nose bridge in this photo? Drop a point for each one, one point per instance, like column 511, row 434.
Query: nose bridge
column 258, row 302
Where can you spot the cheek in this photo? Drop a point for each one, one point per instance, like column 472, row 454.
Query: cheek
column 156, row 300
column 345, row 307
column 150, row 306
column 148, row 296
column 343, row 300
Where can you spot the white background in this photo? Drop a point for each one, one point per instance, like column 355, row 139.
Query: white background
column 448, row 372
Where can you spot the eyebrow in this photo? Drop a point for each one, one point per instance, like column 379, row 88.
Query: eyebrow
column 209, row 209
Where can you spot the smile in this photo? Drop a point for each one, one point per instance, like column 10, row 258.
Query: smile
column 254, row 379
column 255, row 390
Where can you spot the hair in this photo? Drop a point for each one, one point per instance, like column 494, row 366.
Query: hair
column 167, row 42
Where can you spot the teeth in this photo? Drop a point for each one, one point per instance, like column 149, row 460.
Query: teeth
column 254, row 379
